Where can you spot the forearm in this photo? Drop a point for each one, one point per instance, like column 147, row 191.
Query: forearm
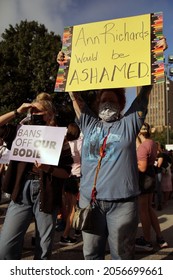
column 159, row 162
column 4, row 119
column 60, row 173
column 54, row 171
column 143, row 99
column 1, row 168
column 142, row 166
column 78, row 103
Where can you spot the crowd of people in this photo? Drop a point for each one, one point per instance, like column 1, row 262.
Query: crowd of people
column 128, row 177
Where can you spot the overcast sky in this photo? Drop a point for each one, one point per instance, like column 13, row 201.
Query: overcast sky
column 56, row 14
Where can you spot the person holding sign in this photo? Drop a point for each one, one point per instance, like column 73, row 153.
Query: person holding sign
column 111, row 137
column 35, row 189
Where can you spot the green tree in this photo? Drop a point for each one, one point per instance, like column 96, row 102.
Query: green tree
column 162, row 136
column 27, row 63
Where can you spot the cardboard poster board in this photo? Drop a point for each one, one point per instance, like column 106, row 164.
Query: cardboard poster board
column 113, row 53
column 38, row 143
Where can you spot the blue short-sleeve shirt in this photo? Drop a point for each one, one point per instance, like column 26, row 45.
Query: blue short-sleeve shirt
column 118, row 174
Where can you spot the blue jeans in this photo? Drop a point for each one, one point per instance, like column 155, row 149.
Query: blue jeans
column 18, row 218
column 117, row 223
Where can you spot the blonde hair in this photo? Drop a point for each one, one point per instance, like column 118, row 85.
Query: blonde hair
column 49, row 107
column 43, row 96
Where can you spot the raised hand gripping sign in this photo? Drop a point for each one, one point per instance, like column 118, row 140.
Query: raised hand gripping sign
column 115, row 53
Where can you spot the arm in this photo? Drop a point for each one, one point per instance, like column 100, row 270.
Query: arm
column 4, row 119
column 58, row 172
column 142, row 99
column 52, row 170
column 159, row 162
column 2, row 168
column 140, row 103
column 142, row 165
column 142, row 156
column 78, row 103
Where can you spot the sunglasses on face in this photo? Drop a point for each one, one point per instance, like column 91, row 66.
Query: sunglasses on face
column 35, row 110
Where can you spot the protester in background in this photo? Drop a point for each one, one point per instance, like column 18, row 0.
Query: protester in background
column 71, row 186
column 146, row 156
column 35, row 189
column 171, row 156
column 158, row 191
column 1, row 176
column 164, row 163
column 1, row 167
column 4, row 161
column 41, row 96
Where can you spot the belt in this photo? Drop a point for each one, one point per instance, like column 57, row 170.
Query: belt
column 32, row 176
column 128, row 199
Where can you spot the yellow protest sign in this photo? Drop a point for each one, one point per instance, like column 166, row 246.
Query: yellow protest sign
column 113, row 53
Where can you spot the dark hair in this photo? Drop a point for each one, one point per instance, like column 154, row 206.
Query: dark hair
column 73, row 132
column 162, row 146
column 145, row 130
column 120, row 93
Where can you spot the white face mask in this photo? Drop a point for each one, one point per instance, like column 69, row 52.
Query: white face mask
column 109, row 112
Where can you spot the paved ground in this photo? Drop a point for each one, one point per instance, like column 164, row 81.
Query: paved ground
column 75, row 252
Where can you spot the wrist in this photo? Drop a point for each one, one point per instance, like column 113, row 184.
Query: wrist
column 16, row 113
column 72, row 96
column 50, row 169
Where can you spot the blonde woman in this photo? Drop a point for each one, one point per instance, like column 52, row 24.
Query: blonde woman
column 35, row 189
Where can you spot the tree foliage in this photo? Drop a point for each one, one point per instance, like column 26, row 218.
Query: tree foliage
column 27, row 63
column 162, row 136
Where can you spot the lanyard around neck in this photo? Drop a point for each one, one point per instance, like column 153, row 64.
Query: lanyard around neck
column 102, row 153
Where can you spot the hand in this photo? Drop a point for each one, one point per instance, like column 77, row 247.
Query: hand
column 24, row 108
column 162, row 43
column 37, row 165
column 62, row 58
column 41, row 166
